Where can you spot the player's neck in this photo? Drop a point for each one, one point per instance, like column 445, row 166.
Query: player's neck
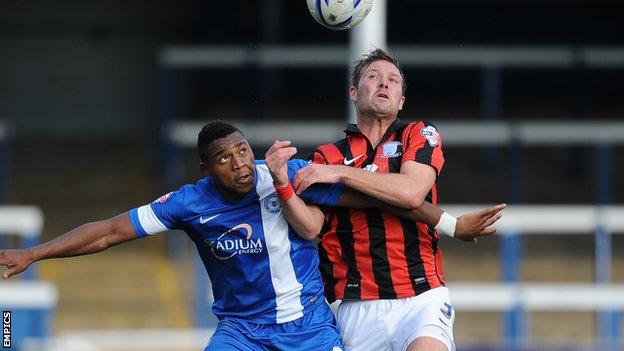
column 374, row 128
column 229, row 195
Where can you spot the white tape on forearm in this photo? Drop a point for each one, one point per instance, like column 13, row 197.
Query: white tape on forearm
column 447, row 224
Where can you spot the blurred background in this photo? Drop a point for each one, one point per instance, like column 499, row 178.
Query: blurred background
column 100, row 101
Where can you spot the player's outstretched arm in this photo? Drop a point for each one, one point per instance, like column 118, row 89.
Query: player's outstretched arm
column 86, row 239
column 468, row 227
column 306, row 220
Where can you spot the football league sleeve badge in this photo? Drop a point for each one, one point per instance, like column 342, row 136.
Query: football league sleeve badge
column 431, row 134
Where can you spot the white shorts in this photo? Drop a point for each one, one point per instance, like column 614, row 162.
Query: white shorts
column 393, row 324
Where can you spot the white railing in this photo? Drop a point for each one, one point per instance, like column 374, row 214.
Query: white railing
column 552, row 219
column 28, row 295
column 184, row 133
column 23, row 221
column 537, row 296
column 306, row 56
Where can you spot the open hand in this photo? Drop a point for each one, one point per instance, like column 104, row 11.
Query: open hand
column 276, row 157
column 15, row 260
column 315, row 173
column 472, row 225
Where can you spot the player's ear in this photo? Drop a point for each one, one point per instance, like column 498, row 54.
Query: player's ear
column 204, row 169
column 401, row 103
column 353, row 93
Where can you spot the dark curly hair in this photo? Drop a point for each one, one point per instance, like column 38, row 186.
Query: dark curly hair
column 212, row 131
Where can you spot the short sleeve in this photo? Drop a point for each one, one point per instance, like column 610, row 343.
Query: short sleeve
column 317, row 157
column 159, row 216
column 423, row 144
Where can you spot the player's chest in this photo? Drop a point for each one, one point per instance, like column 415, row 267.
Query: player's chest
column 384, row 158
column 242, row 232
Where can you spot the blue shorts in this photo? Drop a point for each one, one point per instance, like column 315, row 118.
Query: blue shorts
column 315, row 331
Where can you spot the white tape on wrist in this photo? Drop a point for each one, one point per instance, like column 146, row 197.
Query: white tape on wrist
column 447, row 224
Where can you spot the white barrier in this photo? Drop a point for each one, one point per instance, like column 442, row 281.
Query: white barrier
column 25, row 221
column 552, row 219
column 476, row 133
column 305, row 56
column 28, row 295
column 537, row 296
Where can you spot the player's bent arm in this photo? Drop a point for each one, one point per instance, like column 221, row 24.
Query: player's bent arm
column 86, row 239
column 306, row 220
column 407, row 189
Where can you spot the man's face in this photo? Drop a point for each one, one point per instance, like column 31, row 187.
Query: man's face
column 380, row 90
column 231, row 164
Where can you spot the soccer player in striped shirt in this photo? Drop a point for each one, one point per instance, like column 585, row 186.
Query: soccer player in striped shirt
column 387, row 269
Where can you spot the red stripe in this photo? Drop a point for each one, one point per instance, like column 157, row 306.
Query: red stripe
column 380, row 160
column 440, row 267
column 331, row 244
column 395, row 246
column 358, row 147
column 363, row 261
column 330, row 154
column 437, row 158
column 438, row 257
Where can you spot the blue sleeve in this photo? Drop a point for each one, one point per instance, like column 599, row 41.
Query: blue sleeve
column 319, row 194
column 161, row 215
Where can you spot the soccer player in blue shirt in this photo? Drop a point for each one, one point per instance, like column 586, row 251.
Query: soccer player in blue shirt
column 264, row 270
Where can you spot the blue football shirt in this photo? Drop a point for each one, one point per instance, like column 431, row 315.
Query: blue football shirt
column 259, row 267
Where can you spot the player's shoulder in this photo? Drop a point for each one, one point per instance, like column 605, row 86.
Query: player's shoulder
column 200, row 192
column 330, row 153
column 323, row 148
column 421, row 123
column 423, row 128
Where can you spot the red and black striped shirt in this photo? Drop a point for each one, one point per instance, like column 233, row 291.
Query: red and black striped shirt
column 369, row 254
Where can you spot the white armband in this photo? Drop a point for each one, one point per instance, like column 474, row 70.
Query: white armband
column 446, row 225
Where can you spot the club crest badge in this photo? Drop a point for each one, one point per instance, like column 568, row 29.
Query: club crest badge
column 272, row 204
column 391, row 149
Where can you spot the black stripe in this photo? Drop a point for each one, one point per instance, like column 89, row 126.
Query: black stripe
column 379, row 254
column 431, row 230
column 415, row 265
column 344, row 232
column 343, row 147
column 434, row 240
column 394, row 163
column 423, row 155
column 329, row 281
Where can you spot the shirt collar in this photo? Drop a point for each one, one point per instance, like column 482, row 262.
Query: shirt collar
column 352, row 128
